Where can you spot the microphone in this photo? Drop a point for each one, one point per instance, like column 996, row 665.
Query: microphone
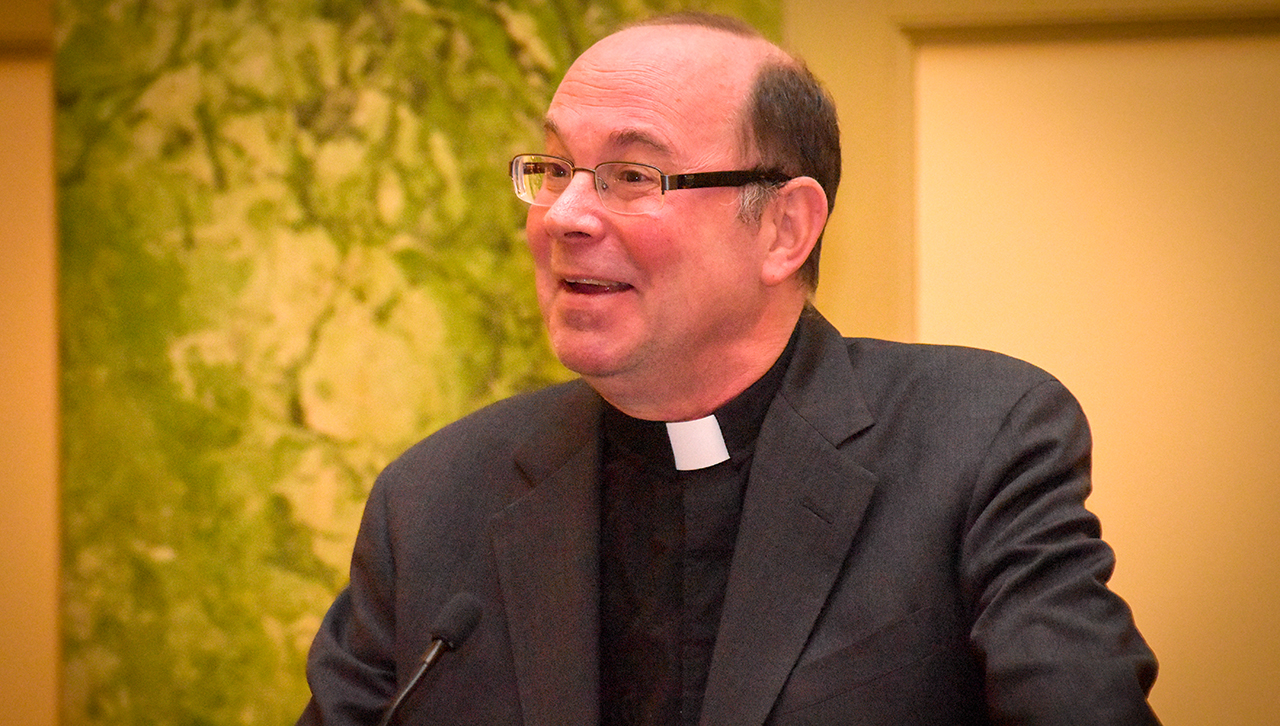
column 452, row 626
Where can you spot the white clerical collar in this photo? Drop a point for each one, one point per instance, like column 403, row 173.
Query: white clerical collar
column 697, row 444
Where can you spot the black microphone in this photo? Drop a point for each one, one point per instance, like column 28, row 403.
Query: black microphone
column 452, row 626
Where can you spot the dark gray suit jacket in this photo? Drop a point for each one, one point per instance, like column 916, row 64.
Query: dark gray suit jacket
column 914, row 549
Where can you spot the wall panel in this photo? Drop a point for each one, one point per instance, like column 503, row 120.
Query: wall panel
column 1107, row 209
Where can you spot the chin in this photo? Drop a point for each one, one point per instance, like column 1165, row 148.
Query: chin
column 589, row 361
column 584, row 365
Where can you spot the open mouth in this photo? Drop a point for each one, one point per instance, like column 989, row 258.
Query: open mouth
column 589, row 286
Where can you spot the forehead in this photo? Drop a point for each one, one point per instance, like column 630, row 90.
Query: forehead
column 672, row 91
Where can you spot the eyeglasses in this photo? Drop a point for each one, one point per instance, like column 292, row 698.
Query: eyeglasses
column 623, row 187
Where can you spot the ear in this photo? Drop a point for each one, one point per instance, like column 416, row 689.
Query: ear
column 794, row 218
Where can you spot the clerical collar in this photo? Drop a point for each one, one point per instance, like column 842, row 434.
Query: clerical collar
column 697, row 444
column 731, row 431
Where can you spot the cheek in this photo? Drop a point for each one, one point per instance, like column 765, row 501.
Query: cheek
column 700, row 253
column 540, row 254
column 673, row 245
column 535, row 237
column 533, row 224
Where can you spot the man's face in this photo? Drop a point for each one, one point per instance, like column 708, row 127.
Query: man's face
column 657, row 300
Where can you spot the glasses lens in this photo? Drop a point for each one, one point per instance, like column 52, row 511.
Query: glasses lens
column 540, row 179
column 629, row 188
column 624, row 188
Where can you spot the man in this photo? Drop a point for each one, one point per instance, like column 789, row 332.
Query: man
column 736, row 516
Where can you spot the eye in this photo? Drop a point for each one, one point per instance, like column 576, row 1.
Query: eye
column 630, row 175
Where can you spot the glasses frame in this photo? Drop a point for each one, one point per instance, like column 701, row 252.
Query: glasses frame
column 670, row 182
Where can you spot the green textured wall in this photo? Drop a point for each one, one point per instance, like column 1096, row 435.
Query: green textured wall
column 288, row 250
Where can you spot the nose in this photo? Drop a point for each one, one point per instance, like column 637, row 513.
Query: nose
column 577, row 211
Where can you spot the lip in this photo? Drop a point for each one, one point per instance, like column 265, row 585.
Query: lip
column 593, row 285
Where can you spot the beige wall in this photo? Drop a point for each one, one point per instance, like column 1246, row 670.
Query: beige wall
column 1156, row 302
column 1109, row 210
column 28, row 350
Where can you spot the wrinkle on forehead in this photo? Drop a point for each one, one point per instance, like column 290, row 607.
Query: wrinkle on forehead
column 650, row 101
column 620, row 138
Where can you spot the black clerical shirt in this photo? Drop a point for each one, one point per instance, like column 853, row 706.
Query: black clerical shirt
column 667, row 540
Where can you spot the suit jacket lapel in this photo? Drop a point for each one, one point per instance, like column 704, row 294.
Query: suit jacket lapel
column 546, row 544
column 804, row 502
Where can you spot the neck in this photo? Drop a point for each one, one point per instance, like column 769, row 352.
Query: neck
column 677, row 400
column 703, row 385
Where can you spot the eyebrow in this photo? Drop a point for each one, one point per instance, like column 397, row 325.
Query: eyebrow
column 636, row 137
column 621, row 138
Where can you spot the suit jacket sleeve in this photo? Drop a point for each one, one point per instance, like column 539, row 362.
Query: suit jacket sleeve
column 349, row 668
column 1057, row 645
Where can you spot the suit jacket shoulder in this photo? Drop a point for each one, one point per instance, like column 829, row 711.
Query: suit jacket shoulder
column 567, row 411
column 940, row 374
column 909, row 508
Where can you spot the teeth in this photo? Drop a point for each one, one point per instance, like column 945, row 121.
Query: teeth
column 594, row 285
